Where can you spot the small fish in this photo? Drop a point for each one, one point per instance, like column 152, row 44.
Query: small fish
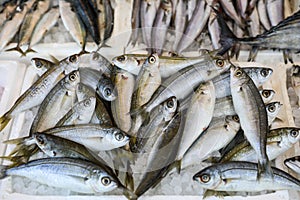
column 198, row 116
column 240, row 176
column 120, row 107
column 263, row 14
column 225, row 127
column 39, row 90
column 293, row 164
column 109, row 19
column 80, row 113
column 179, row 21
column 48, row 20
column 251, row 110
column 278, row 8
column 72, row 23
column 135, row 22
column 295, row 80
column 214, row 28
column 273, row 109
column 278, row 141
column 68, row 173
column 281, row 37
column 57, row 103
column 231, row 12
column 267, row 95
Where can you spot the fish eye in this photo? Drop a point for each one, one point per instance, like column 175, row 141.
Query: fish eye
column 170, row 104
column 72, row 77
column 105, row 181
column 238, row 73
column 266, row 93
column 121, row 58
column 264, row 72
column 271, row 108
column 236, row 118
column 87, row 102
column 96, row 56
column 119, row 136
column 220, row 63
column 38, row 64
column 107, row 92
column 205, row 178
column 294, row 133
column 73, row 58
column 152, row 59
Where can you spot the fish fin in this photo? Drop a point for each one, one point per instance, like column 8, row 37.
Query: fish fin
column 287, row 56
column 16, row 160
column 253, row 54
column 29, row 50
column 3, row 169
column 4, row 121
column 264, row 170
column 227, row 38
column 18, row 49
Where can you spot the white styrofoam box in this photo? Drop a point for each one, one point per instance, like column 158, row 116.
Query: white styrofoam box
column 17, row 78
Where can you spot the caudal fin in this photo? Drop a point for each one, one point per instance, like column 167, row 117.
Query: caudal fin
column 29, row 50
column 4, row 121
column 18, row 49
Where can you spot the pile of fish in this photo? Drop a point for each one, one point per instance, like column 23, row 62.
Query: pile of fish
column 29, row 20
column 262, row 24
column 124, row 125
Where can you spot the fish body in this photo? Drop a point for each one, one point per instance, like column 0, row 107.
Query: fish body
column 68, row 173
column 240, row 176
column 251, row 110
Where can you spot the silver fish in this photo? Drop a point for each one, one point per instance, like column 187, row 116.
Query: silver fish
column 68, row 173
column 251, row 110
column 263, row 15
column 198, row 117
column 41, row 65
column 179, row 21
column 275, row 6
column 40, row 89
column 293, row 164
column 57, row 103
column 241, row 176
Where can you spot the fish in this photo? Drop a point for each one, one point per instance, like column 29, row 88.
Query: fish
column 57, row 103
column 87, row 12
column 251, row 110
column 160, row 26
column 162, row 156
column 135, row 22
column 147, row 81
column 231, row 12
column 167, row 67
column 7, row 10
column 195, row 25
column 254, row 23
column 225, row 127
column 295, row 81
column 273, row 109
column 278, row 141
column 293, row 164
column 263, row 14
column 73, row 23
column 280, row 37
column 267, row 95
column 198, row 117
column 39, row 90
column 179, row 22
column 275, row 6
column 29, row 23
column 109, row 19
column 120, row 107
column 191, row 76
column 11, row 25
column 44, row 25
column 214, row 28
column 240, row 176
column 41, row 65
column 68, row 173
column 80, row 113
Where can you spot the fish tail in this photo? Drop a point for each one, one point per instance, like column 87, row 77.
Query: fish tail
column 3, row 170
column 18, row 49
column 4, row 121
column 264, row 170
column 227, row 38
column 29, row 50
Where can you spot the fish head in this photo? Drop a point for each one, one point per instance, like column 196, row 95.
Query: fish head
column 259, row 75
column 273, row 108
column 238, row 77
column 100, row 181
column 118, row 138
column 267, row 94
column 220, row 63
column 130, row 63
column 293, row 135
column 72, row 79
column 208, row 178
column 106, row 89
column 45, row 144
column 232, row 122
column 153, row 59
column 70, row 63
column 169, row 107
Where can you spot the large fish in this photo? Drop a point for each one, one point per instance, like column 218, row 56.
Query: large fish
column 283, row 36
